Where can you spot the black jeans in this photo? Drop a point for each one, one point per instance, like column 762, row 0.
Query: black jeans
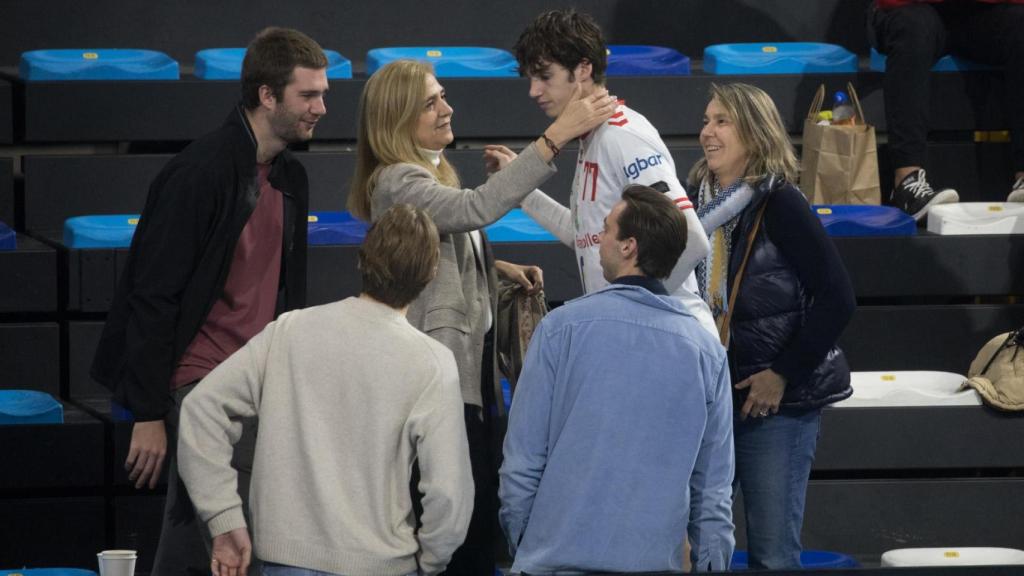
column 915, row 36
column 477, row 554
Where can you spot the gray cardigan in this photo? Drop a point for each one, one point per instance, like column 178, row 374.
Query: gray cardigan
column 452, row 307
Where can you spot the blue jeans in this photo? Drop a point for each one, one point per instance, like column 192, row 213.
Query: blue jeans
column 270, row 569
column 773, row 462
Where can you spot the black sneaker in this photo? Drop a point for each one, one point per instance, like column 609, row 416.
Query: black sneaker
column 1017, row 192
column 914, row 195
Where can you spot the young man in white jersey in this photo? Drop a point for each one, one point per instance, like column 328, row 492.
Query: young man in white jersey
column 561, row 52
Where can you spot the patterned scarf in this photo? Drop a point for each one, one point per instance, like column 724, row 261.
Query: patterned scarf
column 719, row 213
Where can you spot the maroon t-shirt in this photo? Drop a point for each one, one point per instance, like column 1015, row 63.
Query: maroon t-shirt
column 250, row 291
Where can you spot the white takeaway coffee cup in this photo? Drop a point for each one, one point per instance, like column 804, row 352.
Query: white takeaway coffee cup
column 117, row 562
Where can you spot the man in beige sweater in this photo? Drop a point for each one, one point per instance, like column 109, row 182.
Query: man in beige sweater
column 348, row 396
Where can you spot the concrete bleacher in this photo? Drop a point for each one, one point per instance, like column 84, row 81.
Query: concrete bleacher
column 883, row 477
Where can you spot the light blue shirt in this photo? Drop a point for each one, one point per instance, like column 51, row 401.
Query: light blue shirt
column 620, row 441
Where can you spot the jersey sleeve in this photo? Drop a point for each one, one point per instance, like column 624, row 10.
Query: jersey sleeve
column 636, row 160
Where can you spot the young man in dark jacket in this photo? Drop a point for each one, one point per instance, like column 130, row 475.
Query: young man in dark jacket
column 220, row 250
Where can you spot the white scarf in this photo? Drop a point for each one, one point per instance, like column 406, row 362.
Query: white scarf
column 719, row 213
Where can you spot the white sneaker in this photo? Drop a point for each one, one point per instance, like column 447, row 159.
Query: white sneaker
column 1017, row 192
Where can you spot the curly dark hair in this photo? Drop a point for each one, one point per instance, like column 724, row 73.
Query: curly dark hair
column 566, row 37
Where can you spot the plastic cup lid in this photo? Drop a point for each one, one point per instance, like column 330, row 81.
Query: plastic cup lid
column 117, row 554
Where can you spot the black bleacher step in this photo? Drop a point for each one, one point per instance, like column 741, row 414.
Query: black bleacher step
column 58, row 187
column 83, row 336
column 30, row 357
column 45, row 456
column 880, row 267
column 6, row 112
column 29, row 280
column 123, row 111
column 932, row 265
column 865, row 518
column 7, row 198
column 38, row 532
column 900, row 438
column 926, row 337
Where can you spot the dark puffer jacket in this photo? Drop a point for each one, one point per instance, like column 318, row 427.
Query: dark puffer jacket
column 775, row 306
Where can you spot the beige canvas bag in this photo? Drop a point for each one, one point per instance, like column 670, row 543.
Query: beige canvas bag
column 997, row 372
column 840, row 163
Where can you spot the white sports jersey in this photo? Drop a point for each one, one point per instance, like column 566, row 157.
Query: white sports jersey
column 625, row 150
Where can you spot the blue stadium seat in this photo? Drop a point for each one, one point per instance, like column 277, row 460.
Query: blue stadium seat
column 326, row 228
column 107, row 231
column 8, row 239
column 778, row 58
column 947, row 63
column 29, row 407
column 813, row 559
column 98, row 64
column 634, row 60
column 846, row 220
column 226, row 64
column 517, row 226
column 449, row 61
column 47, row 572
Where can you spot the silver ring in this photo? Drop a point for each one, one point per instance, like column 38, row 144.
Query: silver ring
column 762, row 413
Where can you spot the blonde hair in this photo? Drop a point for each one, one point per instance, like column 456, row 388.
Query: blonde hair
column 389, row 109
column 760, row 130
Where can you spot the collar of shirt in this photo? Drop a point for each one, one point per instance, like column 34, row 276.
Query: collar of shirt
column 652, row 285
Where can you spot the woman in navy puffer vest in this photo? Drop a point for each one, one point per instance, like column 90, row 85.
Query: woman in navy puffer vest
column 794, row 300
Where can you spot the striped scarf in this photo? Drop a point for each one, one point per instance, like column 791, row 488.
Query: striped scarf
column 719, row 214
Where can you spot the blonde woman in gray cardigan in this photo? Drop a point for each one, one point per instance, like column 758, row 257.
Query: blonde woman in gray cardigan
column 404, row 126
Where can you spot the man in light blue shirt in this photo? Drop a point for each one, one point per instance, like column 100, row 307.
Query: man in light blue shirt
column 620, row 444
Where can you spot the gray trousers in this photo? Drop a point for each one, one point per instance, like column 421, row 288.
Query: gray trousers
column 185, row 542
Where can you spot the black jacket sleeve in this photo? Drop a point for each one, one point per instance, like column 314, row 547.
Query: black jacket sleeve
column 802, row 240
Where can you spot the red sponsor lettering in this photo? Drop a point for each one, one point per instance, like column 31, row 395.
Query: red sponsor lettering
column 588, row 241
column 590, row 173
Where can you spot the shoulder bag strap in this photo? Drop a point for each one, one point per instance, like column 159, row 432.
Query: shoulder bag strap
column 723, row 329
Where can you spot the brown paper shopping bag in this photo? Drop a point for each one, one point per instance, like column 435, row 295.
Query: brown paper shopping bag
column 840, row 163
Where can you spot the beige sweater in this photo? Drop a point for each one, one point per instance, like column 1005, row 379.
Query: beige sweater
column 348, row 395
